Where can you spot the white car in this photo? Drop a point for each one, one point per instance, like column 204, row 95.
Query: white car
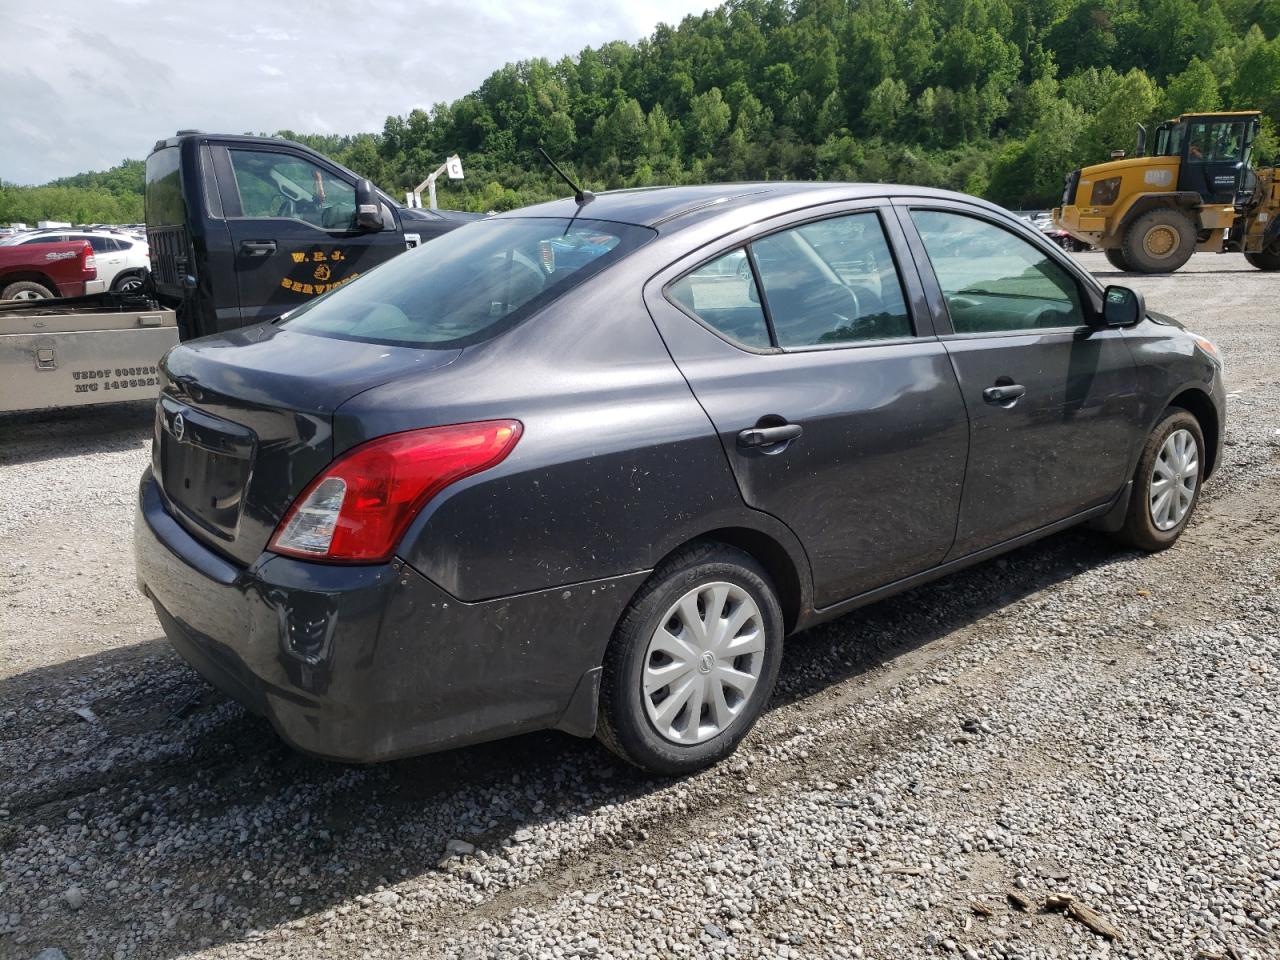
column 122, row 260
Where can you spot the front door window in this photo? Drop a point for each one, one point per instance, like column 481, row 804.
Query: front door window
column 994, row 281
column 282, row 185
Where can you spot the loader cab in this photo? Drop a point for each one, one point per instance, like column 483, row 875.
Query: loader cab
column 243, row 229
column 1213, row 149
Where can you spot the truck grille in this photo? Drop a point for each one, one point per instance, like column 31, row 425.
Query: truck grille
column 170, row 256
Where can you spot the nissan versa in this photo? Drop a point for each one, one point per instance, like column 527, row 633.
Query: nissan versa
column 585, row 465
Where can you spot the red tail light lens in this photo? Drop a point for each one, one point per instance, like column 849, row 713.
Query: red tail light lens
column 88, row 262
column 357, row 510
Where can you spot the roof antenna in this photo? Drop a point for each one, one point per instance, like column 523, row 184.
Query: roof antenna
column 582, row 196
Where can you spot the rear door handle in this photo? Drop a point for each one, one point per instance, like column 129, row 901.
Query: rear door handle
column 1005, row 393
column 769, row 436
column 257, row 248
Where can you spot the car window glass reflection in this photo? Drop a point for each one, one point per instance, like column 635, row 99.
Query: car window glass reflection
column 280, row 185
column 994, row 281
column 723, row 295
column 832, row 282
column 486, row 272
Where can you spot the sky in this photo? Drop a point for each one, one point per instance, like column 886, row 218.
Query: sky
column 85, row 84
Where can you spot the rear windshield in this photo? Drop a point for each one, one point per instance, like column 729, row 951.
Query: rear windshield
column 471, row 283
column 164, row 204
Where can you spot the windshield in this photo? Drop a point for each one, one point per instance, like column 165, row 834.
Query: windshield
column 470, row 283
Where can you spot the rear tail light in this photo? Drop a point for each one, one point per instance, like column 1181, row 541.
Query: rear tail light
column 357, row 510
column 88, row 262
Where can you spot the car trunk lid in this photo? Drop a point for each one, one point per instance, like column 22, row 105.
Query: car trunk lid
column 244, row 422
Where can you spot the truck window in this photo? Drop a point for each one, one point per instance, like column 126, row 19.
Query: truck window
column 1216, row 142
column 164, row 204
column 282, row 185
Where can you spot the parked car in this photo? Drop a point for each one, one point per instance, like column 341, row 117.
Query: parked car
column 474, row 493
column 48, row 270
column 123, row 260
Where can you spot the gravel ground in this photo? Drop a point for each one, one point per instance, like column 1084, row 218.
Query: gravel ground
column 1071, row 718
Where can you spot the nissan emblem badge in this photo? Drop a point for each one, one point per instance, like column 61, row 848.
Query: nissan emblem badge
column 179, row 427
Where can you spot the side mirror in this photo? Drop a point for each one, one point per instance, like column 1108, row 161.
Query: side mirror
column 368, row 207
column 1122, row 307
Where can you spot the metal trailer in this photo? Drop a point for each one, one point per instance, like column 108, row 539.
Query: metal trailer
column 81, row 351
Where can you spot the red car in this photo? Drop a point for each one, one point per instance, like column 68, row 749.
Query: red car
column 47, row 270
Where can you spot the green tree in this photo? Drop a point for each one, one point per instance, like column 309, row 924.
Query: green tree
column 708, row 121
column 1196, row 88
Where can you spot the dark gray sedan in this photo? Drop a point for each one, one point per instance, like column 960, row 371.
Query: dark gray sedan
column 584, row 466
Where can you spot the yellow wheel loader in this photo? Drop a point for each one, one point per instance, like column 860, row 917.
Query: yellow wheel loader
column 1196, row 191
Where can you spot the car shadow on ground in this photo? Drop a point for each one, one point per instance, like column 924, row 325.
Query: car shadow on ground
column 75, row 431
column 235, row 814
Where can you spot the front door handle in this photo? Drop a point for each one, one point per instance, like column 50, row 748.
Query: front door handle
column 1004, row 393
column 769, row 436
column 257, row 248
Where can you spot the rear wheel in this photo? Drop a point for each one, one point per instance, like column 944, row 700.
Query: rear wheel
column 1160, row 241
column 1115, row 257
column 693, row 661
column 26, row 290
column 1268, row 259
column 1166, row 485
column 127, row 283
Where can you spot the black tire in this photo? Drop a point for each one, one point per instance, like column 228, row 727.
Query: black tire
column 624, row 724
column 1139, row 528
column 127, row 282
column 1268, row 259
column 26, row 290
column 1115, row 257
column 1145, row 241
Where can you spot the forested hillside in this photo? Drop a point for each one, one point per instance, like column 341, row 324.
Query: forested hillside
column 996, row 97
column 113, row 196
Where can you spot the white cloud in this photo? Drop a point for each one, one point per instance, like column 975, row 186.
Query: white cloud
column 87, row 83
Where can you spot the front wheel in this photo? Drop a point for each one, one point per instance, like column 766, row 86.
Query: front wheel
column 1268, row 259
column 693, row 661
column 1160, row 241
column 1166, row 486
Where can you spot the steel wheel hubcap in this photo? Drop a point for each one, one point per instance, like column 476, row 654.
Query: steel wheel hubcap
column 1161, row 241
column 28, row 295
column 703, row 662
column 1173, row 479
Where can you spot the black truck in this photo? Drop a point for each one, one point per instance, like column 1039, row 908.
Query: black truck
column 243, row 229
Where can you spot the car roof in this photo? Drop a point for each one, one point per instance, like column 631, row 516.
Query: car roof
column 671, row 208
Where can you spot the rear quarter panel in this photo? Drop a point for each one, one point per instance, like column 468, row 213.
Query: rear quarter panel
column 617, row 466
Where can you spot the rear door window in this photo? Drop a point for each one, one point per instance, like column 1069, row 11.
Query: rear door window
column 487, row 276
column 99, row 244
column 722, row 294
column 827, row 283
column 832, row 282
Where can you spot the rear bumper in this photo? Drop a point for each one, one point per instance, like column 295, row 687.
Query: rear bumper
column 369, row 663
column 73, row 288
